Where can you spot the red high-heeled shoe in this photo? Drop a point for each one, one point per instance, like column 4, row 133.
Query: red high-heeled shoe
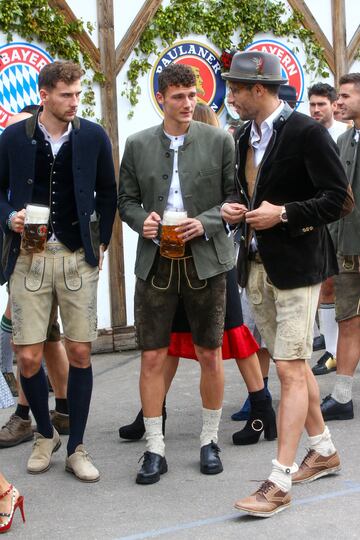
column 15, row 503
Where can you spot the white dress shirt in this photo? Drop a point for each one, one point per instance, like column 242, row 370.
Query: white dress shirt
column 259, row 141
column 175, row 201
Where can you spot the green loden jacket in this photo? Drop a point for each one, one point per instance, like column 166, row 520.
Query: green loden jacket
column 206, row 171
column 346, row 232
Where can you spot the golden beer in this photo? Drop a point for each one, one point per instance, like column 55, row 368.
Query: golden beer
column 35, row 228
column 171, row 245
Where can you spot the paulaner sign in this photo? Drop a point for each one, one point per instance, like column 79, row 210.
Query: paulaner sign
column 205, row 63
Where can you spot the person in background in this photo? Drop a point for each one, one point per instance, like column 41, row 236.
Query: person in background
column 346, row 236
column 322, row 105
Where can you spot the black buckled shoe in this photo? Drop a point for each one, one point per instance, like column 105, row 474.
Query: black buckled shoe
column 333, row 410
column 326, row 364
column 136, row 430
column 153, row 466
column 262, row 419
column 210, row 462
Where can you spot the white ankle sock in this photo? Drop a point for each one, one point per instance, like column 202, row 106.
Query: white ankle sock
column 281, row 475
column 343, row 388
column 154, row 435
column 329, row 327
column 322, row 444
column 211, row 421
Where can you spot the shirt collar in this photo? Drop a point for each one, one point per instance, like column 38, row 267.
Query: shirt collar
column 64, row 136
column 267, row 124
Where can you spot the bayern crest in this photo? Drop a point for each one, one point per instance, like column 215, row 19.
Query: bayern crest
column 20, row 64
column 289, row 62
column 204, row 62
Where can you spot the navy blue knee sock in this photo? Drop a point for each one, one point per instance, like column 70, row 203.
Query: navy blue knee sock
column 78, row 395
column 37, row 393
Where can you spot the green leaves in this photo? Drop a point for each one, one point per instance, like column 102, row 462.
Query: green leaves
column 220, row 21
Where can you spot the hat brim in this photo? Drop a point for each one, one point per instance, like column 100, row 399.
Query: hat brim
column 259, row 79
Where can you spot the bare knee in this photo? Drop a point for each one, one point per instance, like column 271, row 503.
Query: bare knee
column 291, row 374
column 210, row 360
column 79, row 353
column 152, row 362
column 29, row 360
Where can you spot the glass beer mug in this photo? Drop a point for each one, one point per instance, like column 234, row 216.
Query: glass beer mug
column 35, row 228
column 171, row 245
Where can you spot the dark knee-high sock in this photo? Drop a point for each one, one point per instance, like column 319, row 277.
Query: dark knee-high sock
column 37, row 393
column 78, row 395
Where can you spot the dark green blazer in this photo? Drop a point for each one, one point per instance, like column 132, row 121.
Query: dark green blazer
column 206, row 171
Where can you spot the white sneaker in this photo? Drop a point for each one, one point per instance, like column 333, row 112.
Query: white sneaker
column 42, row 451
column 80, row 464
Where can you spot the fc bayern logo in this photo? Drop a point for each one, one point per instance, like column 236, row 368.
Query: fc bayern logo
column 20, row 64
column 291, row 66
column 204, row 62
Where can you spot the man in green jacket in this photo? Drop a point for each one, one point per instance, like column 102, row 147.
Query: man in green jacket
column 179, row 166
column 346, row 236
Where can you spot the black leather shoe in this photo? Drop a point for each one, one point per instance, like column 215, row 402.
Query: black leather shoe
column 319, row 343
column 153, row 466
column 210, row 462
column 136, row 430
column 326, row 364
column 262, row 419
column 333, row 410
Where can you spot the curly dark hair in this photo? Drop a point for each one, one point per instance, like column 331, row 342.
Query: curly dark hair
column 350, row 78
column 176, row 75
column 65, row 71
column 324, row 90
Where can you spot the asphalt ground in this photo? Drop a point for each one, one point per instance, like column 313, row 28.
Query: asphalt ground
column 184, row 504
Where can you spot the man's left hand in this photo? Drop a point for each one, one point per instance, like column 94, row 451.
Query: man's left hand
column 264, row 217
column 102, row 250
column 190, row 228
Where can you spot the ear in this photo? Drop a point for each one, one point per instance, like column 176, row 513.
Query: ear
column 43, row 94
column 159, row 98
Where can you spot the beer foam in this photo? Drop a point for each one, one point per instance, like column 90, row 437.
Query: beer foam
column 171, row 218
column 36, row 213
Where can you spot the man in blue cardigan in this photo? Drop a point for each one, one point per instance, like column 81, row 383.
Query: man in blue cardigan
column 57, row 160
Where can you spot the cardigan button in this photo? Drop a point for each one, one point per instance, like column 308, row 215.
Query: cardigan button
column 165, row 176
column 167, row 154
column 161, row 198
column 348, row 163
column 33, row 141
column 30, row 181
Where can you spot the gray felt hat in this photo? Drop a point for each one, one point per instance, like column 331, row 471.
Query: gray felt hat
column 255, row 67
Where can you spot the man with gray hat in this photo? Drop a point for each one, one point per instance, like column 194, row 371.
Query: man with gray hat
column 289, row 184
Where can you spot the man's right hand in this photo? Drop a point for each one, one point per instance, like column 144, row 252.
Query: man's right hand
column 17, row 221
column 151, row 226
column 233, row 213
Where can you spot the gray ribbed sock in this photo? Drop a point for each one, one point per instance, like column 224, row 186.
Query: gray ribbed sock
column 343, row 388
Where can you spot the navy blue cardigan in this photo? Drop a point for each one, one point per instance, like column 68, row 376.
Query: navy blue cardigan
column 94, row 184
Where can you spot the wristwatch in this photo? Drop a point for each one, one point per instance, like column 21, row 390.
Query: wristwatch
column 283, row 215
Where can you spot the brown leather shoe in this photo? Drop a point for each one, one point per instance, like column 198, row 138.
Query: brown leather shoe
column 266, row 501
column 315, row 466
column 60, row 422
column 15, row 431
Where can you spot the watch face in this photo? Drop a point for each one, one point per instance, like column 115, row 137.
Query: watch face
column 284, row 217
